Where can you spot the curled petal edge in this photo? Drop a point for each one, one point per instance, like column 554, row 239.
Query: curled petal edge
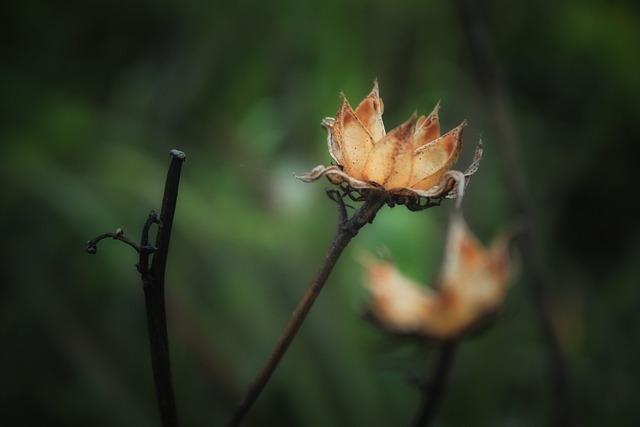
column 451, row 186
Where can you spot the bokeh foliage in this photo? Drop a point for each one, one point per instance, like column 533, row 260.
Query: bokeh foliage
column 94, row 94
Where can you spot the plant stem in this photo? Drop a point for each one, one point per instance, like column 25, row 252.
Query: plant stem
column 346, row 230
column 490, row 83
column 153, row 281
column 433, row 391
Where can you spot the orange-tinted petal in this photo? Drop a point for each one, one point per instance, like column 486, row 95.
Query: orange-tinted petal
column 401, row 305
column 370, row 113
column 352, row 139
column 433, row 160
column 463, row 253
column 427, row 128
column 477, row 276
column 472, row 284
column 390, row 161
column 397, row 302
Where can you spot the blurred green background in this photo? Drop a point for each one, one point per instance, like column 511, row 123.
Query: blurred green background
column 95, row 94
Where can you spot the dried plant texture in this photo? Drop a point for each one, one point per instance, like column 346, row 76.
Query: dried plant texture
column 412, row 161
column 472, row 284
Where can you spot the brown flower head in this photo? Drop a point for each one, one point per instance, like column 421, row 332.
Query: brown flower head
column 472, row 284
column 411, row 161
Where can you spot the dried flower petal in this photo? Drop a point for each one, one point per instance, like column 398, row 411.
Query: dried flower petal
column 389, row 163
column 472, row 284
column 475, row 274
column 427, row 128
column 410, row 162
column 352, row 139
column 398, row 303
column 433, row 159
column 370, row 113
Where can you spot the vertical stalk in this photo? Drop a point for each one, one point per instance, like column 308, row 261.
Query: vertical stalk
column 490, row 84
column 347, row 229
column 433, row 391
column 153, row 281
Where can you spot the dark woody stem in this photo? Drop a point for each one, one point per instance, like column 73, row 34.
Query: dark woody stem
column 433, row 391
column 152, row 272
column 347, row 229
column 153, row 281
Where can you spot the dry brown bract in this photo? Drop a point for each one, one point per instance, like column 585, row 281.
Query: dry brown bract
column 472, row 284
column 412, row 160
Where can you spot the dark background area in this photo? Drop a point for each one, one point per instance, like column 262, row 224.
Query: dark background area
column 95, row 94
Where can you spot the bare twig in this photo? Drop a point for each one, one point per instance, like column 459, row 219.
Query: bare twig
column 145, row 249
column 490, row 83
column 153, row 286
column 92, row 245
column 433, row 391
column 346, row 230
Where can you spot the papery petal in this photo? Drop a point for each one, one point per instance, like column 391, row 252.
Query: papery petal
column 427, row 128
column 433, row 160
column 472, row 284
column 352, row 139
column 315, row 173
column 463, row 253
column 478, row 277
column 497, row 270
column 369, row 111
column 336, row 176
column 475, row 163
column 451, row 186
column 332, row 144
column 397, row 302
column 390, row 161
column 401, row 305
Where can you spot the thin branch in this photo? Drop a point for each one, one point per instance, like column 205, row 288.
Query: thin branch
column 346, row 230
column 91, row 246
column 145, row 249
column 490, row 83
column 433, row 391
column 153, row 286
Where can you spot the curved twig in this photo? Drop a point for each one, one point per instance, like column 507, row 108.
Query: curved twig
column 346, row 230
column 91, row 246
